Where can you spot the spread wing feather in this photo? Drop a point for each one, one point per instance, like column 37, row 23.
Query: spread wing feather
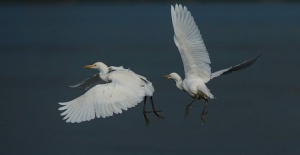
column 103, row 100
column 238, row 67
column 88, row 83
column 189, row 41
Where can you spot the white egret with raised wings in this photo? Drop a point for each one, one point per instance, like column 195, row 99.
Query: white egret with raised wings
column 195, row 58
column 116, row 89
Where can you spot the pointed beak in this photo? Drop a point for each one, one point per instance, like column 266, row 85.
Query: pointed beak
column 89, row 66
column 167, row 76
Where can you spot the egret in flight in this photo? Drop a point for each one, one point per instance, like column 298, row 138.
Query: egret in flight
column 116, row 89
column 195, row 58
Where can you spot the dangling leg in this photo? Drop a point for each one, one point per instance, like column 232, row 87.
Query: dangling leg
column 144, row 111
column 155, row 112
column 203, row 112
column 188, row 107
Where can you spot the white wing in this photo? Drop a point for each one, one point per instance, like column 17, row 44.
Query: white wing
column 104, row 100
column 190, row 44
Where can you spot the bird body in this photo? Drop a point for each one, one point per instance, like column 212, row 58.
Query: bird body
column 124, row 89
column 196, row 88
column 195, row 58
column 193, row 52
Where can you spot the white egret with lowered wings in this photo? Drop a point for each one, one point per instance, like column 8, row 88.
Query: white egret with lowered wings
column 116, row 89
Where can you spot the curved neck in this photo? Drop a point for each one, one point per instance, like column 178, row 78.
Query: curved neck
column 104, row 77
column 103, row 72
column 178, row 81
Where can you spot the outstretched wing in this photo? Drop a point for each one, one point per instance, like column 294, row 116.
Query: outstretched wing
column 88, row 83
column 104, row 100
column 190, row 44
column 238, row 67
column 94, row 80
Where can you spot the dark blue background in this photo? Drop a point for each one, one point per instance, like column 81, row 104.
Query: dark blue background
column 43, row 49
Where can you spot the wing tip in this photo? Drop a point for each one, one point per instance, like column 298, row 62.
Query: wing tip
column 178, row 7
column 62, row 103
column 259, row 55
column 254, row 58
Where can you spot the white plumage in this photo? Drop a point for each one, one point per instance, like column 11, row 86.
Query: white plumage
column 124, row 90
column 195, row 58
column 190, row 44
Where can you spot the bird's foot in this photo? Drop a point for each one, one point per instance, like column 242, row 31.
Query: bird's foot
column 146, row 118
column 158, row 115
column 187, row 108
column 156, row 112
column 203, row 117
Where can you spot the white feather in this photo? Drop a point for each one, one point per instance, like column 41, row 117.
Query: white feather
column 194, row 55
column 189, row 41
column 125, row 91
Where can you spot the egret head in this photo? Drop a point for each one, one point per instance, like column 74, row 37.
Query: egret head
column 173, row 76
column 176, row 78
column 99, row 66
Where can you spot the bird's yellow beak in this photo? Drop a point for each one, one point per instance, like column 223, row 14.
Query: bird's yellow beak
column 167, row 76
column 89, row 66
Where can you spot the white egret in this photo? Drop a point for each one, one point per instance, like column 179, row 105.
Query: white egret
column 118, row 90
column 195, row 58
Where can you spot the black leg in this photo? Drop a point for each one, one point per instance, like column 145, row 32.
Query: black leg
column 188, row 107
column 153, row 108
column 203, row 112
column 144, row 112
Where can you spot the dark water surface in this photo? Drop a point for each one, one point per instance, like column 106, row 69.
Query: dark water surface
column 43, row 49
